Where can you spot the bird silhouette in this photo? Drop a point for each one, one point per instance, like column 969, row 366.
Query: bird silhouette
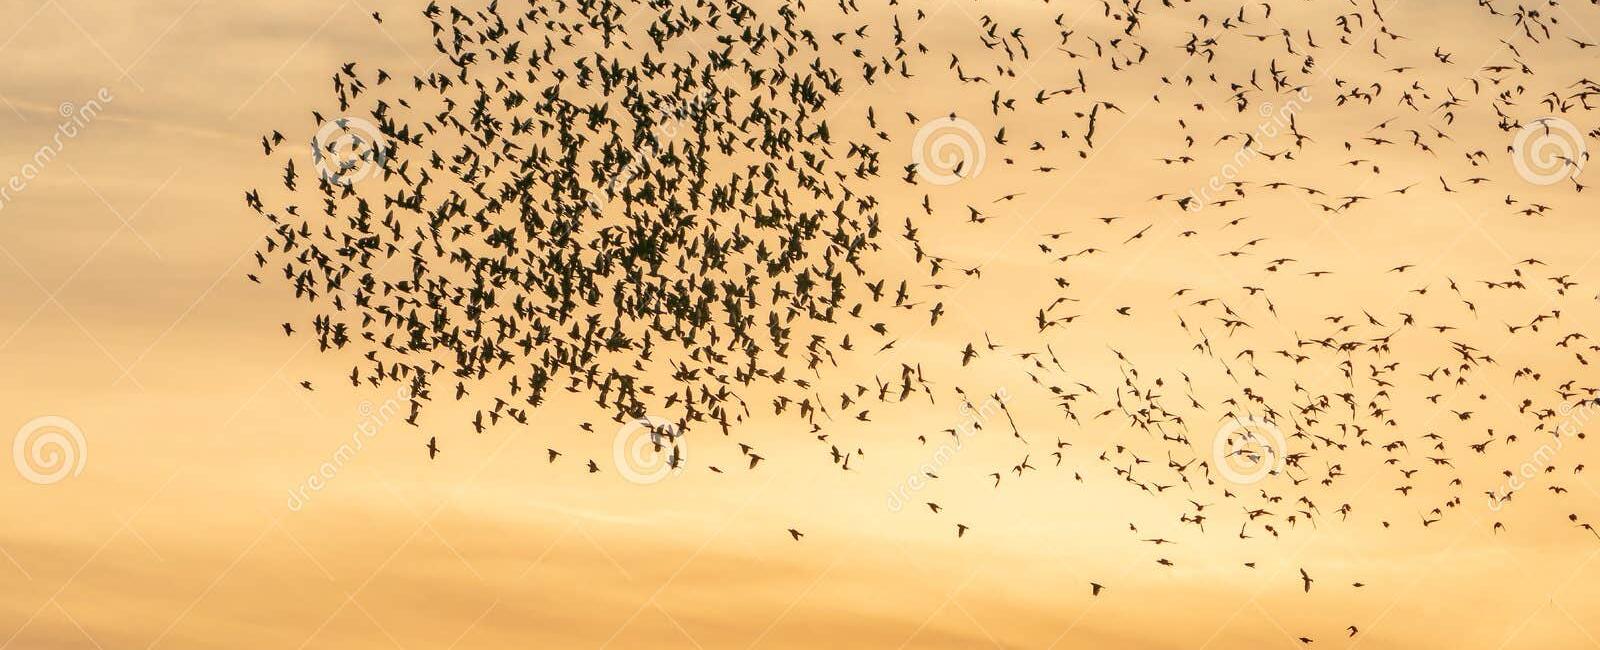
column 574, row 208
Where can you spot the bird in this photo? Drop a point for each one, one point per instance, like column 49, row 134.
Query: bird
column 717, row 237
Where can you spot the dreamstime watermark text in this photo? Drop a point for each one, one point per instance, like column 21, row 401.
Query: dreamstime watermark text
column 373, row 420
column 75, row 119
column 1275, row 120
column 1573, row 419
column 974, row 417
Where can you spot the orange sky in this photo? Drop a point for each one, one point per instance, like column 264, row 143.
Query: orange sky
column 191, row 524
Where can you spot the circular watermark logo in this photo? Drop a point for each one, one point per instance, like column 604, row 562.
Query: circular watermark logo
column 1548, row 150
column 48, row 450
column 647, row 450
column 348, row 150
column 1246, row 450
column 947, row 150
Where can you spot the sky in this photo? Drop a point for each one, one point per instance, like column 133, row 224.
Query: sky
column 206, row 499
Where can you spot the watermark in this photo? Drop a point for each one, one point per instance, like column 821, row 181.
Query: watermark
column 348, row 150
column 75, row 118
column 49, row 450
column 1275, row 119
column 1573, row 419
column 373, row 420
column 1246, row 450
column 648, row 450
column 665, row 129
column 974, row 417
column 1548, row 150
column 948, row 150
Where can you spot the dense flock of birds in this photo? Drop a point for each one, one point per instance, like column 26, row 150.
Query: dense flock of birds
column 687, row 210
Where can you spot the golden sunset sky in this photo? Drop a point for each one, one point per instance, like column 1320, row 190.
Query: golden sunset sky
column 188, row 516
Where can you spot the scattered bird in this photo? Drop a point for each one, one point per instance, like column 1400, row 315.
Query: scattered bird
column 571, row 210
